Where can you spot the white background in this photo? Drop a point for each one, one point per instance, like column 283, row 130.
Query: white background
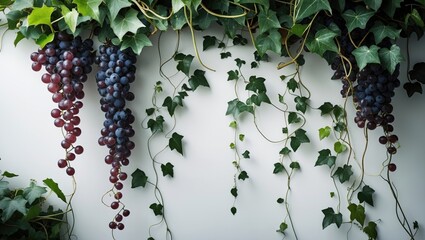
column 198, row 199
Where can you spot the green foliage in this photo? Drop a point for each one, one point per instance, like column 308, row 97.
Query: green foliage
column 331, row 218
column 278, row 168
column 299, row 138
column 343, row 173
column 243, row 175
column 167, row 169
column 175, row 143
column 139, row 179
column 365, row 55
column 371, row 231
column 157, row 209
column 366, row 195
column 357, row 18
column 306, row 8
column 325, row 158
column 324, row 40
column 324, row 132
column 357, row 212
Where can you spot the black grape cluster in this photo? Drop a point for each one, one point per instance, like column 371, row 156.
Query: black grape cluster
column 373, row 93
column 67, row 61
column 117, row 71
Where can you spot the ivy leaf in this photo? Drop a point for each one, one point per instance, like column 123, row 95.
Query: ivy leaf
column 41, row 16
column 258, row 99
column 325, row 158
column 10, row 206
column 357, row 212
column 269, row 41
column 234, row 192
column 256, row 84
column 232, row 75
column 412, row 88
column 322, row 41
column 301, row 103
column 343, row 173
column 338, row 112
column 282, row 227
column 139, row 179
column 418, row 72
column 89, row 8
column 243, row 175
column 156, row 125
column 198, row 79
column 33, row 212
column 136, row 42
column 292, row 84
column 381, row 31
column 33, row 192
column 233, row 210
column 127, row 23
column 306, row 8
column 295, row 165
column 278, row 167
column 299, row 138
column 331, row 217
column 339, row 147
column 293, row 118
column 9, row 174
column 70, row 18
column 150, row 111
column 357, row 18
column 326, row 108
column 285, row 151
column 390, row 7
column 370, row 230
column 224, row 55
column 246, row 154
column 365, row 55
column 55, row 188
column 209, row 41
column 267, row 20
column 280, row 200
column 390, row 58
column 184, row 62
column 156, row 208
column 236, row 107
column 175, row 143
column 373, row 4
column 324, row 132
column 45, row 39
column 167, row 169
column 298, row 29
column 172, row 103
column 20, row 5
column 114, row 6
column 239, row 62
column 366, row 195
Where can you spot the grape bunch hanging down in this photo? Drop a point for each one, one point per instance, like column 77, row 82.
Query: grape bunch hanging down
column 67, row 61
column 117, row 71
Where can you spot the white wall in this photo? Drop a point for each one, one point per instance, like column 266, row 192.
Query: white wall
column 197, row 199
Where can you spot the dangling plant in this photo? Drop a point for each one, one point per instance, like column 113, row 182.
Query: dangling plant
column 358, row 39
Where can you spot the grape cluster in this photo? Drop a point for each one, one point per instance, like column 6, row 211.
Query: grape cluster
column 373, row 93
column 67, row 61
column 117, row 71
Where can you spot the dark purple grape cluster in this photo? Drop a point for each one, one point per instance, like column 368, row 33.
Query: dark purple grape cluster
column 67, row 61
column 117, row 71
column 373, row 93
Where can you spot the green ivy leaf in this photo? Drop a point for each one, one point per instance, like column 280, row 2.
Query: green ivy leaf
column 366, row 195
column 331, row 217
column 33, row 212
column 156, row 208
column 172, row 103
column 233, row 210
column 234, row 192
column 175, row 143
column 280, row 200
column 265, row 3
column 381, row 31
column 357, row 212
column 55, row 188
column 295, row 165
column 246, row 154
column 114, row 6
column 243, row 175
column 306, row 8
column 167, row 169
column 184, row 62
column 325, row 158
column 365, row 55
column 9, row 174
column 370, row 231
column 89, row 8
column 139, row 179
column 292, row 85
column 326, row 108
column 198, row 79
column 299, row 138
column 373, row 4
column 293, row 118
column 339, row 147
column 136, row 42
column 233, row 75
column 41, row 16
column 267, row 20
column 178, row 20
column 412, row 87
column 258, row 99
column 256, row 84
column 269, row 41
column 233, row 124
column 322, row 41
column 298, row 29
column 418, row 72
column 33, row 192
column 285, row 130
column 240, row 62
column 282, row 227
column 209, row 41
column 343, row 173
column 204, row 20
column 301, row 103
column 278, row 168
column 357, row 18
column 390, row 7
column 225, row 55
column 390, row 58
column 70, row 17
column 417, row 18
column 45, row 39
column 236, row 107
column 10, row 206
column 156, row 125
column 129, row 22
column 285, row 151
column 19, row 5
column 324, row 132
column 338, row 112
